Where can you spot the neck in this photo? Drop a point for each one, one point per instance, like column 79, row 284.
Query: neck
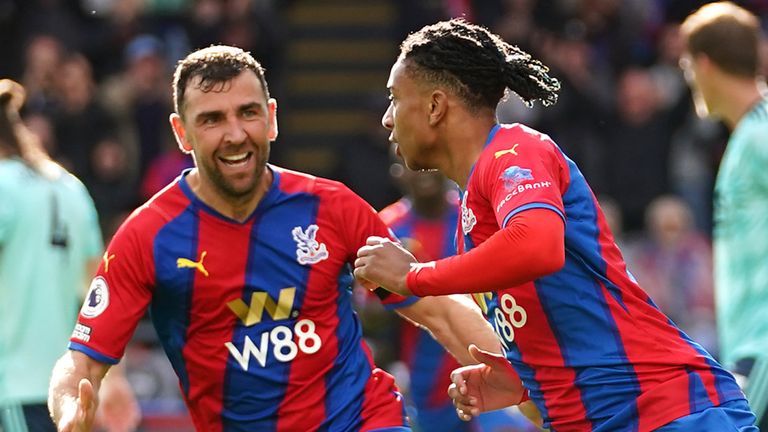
column 237, row 208
column 738, row 98
column 464, row 145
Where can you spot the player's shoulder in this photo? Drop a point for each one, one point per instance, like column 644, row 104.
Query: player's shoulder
column 298, row 182
column 513, row 144
column 516, row 136
column 395, row 212
column 163, row 207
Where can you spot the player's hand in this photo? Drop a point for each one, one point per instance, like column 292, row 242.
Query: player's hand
column 490, row 385
column 118, row 410
column 383, row 263
column 77, row 415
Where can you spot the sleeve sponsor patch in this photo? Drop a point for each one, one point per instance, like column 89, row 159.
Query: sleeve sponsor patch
column 82, row 332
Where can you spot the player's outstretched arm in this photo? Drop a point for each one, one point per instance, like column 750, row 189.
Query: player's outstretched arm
column 72, row 396
column 489, row 385
column 454, row 321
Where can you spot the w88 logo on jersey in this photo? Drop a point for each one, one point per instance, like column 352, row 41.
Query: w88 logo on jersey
column 507, row 317
column 283, row 342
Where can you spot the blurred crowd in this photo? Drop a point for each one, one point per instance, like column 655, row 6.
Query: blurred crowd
column 97, row 73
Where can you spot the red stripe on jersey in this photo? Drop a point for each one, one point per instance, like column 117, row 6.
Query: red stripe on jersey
column 378, row 409
column 226, row 248
column 657, row 383
column 303, row 406
column 539, row 343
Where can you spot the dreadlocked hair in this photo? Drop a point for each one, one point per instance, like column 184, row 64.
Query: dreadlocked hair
column 15, row 139
column 476, row 64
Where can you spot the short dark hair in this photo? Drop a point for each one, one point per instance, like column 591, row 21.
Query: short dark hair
column 727, row 34
column 214, row 65
column 476, row 64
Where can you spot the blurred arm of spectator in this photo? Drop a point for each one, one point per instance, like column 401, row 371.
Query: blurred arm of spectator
column 118, row 410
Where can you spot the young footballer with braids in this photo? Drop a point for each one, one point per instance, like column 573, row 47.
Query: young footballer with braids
column 591, row 349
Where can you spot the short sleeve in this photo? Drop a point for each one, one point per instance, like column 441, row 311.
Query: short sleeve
column 118, row 296
column 361, row 221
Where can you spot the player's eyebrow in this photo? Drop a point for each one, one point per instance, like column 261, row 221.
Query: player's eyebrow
column 209, row 115
column 252, row 105
column 219, row 114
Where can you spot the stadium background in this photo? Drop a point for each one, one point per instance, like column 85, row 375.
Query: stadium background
column 98, row 72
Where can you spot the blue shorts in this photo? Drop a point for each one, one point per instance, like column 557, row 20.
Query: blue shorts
column 733, row 416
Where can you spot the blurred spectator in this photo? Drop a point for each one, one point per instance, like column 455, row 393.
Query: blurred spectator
column 41, row 64
column 637, row 147
column 674, row 264
column 80, row 121
column 164, row 168
column 58, row 19
column 41, row 126
column 516, row 24
column 140, row 99
column 585, row 98
column 248, row 24
column 112, row 25
column 112, row 188
column 692, row 158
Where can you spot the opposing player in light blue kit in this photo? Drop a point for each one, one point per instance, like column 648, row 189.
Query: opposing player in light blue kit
column 721, row 63
column 49, row 233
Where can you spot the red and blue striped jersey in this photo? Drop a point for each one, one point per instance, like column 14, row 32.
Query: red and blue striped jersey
column 255, row 317
column 429, row 363
column 589, row 344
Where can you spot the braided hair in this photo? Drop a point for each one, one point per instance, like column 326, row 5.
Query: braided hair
column 476, row 64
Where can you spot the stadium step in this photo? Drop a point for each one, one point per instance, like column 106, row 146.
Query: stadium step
column 336, row 65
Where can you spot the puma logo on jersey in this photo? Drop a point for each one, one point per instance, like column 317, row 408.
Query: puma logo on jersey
column 188, row 263
column 107, row 258
column 501, row 153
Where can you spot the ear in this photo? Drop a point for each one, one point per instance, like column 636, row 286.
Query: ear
column 180, row 133
column 272, row 107
column 438, row 106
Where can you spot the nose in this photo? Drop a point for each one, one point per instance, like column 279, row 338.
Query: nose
column 386, row 121
column 235, row 132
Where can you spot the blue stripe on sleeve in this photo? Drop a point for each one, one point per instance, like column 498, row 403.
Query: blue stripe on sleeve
column 93, row 353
